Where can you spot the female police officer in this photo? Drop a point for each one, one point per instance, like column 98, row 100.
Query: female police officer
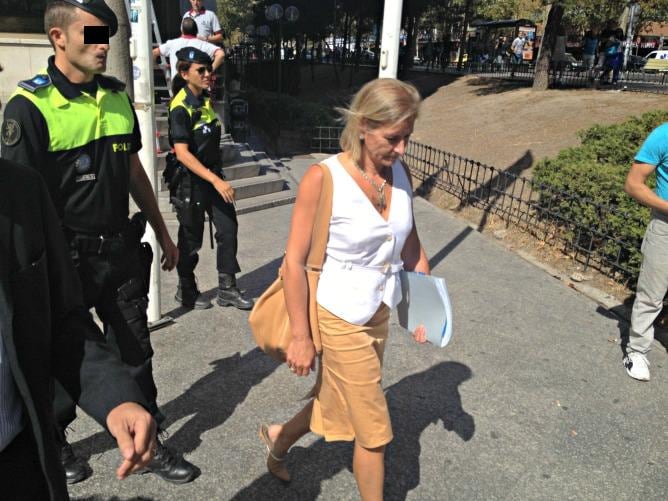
column 194, row 132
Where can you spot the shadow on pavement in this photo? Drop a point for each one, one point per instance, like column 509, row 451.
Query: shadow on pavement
column 623, row 312
column 415, row 402
column 497, row 190
column 496, row 85
column 254, row 283
column 208, row 403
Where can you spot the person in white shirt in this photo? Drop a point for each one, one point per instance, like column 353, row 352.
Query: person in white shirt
column 372, row 236
column 188, row 38
column 207, row 22
column 518, row 47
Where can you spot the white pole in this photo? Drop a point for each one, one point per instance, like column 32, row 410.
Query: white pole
column 142, row 73
column 633, row 10
column 389, row 48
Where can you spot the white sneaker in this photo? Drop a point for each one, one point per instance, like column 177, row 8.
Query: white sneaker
column 637, row 366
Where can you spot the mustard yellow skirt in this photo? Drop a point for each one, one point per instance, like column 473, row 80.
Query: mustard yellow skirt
column 349, row 402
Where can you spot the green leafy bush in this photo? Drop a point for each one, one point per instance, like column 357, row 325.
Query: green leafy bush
column 584, row 186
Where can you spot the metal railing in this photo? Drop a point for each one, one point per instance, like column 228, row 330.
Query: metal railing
column 561, row 76
column 536, row 208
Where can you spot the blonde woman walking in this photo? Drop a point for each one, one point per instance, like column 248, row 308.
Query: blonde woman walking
column 372, row 236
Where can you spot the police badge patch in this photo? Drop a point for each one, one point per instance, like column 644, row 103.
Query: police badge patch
column 11, row 132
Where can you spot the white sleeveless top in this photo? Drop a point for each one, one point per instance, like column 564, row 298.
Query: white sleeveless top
column 363, row 255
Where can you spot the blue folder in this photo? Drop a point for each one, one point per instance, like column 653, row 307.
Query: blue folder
column 426, row 302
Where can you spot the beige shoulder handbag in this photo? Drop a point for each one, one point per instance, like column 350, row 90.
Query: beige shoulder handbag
column 269, row 317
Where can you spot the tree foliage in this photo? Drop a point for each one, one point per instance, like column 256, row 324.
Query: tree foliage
column 511, row 9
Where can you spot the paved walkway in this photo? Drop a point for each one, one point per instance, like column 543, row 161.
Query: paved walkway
column 529, row 400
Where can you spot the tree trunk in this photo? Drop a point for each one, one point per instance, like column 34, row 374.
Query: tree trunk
column 410, row 42
column 541, row 79
column 334, row 65
column 378, row 23
column 346, row 38
column 465, row 27
column 119, row 63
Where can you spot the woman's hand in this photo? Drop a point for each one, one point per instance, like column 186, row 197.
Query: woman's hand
column 301, row 356
column 420, row 334
column 225, row 189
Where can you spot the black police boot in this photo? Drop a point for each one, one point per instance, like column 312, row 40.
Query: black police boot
column 189, row 295
column 229, row 294
column 76, row 469
column 172, row 467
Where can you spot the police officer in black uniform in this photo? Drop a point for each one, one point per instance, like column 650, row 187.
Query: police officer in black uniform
column 79, row 130
column 194, row 133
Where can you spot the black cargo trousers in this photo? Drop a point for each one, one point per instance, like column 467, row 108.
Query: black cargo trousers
column 203, row 199
column 114, row 270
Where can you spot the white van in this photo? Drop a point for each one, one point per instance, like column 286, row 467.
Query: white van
column 657, row 54
column 657, row 60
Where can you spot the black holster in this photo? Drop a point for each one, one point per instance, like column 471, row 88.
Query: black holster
column 178, row 181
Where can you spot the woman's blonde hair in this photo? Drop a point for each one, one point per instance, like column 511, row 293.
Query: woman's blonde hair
column 383, row 101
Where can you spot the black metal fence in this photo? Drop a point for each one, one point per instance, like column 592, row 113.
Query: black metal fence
column 563, row 76
column 258, row 68
column 539, row 209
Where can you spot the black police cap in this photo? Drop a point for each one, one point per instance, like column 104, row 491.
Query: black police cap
column 100, row 10
column 193, row 55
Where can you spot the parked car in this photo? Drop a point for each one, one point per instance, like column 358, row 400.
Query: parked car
column 368, row 56
column 635, row 62
column 572, row 63
column 568, row 63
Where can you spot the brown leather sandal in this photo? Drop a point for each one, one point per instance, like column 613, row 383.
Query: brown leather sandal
column 275, row 465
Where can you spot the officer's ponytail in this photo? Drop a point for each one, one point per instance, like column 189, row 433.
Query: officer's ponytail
column 178, row 82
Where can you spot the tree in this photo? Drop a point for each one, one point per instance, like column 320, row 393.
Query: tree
column 119, row 63
column 511, row 9
column 552, row 27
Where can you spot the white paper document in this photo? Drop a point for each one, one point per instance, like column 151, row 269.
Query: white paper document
column 426, row 302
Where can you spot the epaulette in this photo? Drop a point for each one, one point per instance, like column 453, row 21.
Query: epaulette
column 111, row 83
column 36, row 82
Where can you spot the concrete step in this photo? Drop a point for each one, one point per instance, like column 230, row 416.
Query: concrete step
column 257, row 186
column 267, row 201
column 164, row 205
column 242, row 170
column 243, row 206
column 230, row 153
column 162, row 124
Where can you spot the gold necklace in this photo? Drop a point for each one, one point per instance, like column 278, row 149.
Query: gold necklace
column 380, row 189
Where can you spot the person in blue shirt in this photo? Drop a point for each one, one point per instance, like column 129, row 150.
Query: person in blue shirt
column 589, row 47
column 653, row 279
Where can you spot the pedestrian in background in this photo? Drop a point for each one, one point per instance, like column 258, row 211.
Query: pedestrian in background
column 194, row 133
column 188, row 38
column 589, row 47
column 653, row 279
column 208, row 25
column 614, row 56
column 517, row 47
column 372, row 236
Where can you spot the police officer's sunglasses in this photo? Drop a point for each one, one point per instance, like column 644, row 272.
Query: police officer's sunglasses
column 200, row 71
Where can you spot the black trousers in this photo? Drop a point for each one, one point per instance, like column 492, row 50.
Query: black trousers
column 191, row 231
column 114, row 283
column 21, row 475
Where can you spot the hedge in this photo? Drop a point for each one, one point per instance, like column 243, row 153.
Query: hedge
column 585, row 185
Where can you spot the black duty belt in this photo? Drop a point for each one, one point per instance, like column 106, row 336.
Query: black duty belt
column 98, row 244
column 110, row 242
